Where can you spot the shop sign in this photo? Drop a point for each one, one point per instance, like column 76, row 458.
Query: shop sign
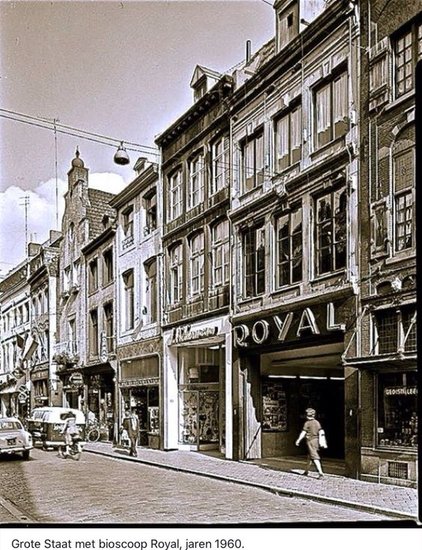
column 187, row 334
column 76, row 379
column 40, row 374
column 411, row 390
column 139, row 382
column 22, row 398
column 103, row 347
column 289, row 326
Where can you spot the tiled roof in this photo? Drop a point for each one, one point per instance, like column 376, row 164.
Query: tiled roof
column 97, row 207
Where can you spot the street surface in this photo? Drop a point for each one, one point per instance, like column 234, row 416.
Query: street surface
column 99, row 489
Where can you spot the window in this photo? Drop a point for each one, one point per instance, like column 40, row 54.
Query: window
column 404, row 177
column 397, row 409
column 175, row 197
column 220, row 164
column 129, row 300
column 331, row 232
column 254, row 262
column 66, row 285
column 289, row 250
column 151, row 291
column 76, row 273
column 150, row 203
column 93, row 275
column 109, row 326
column 394, row 331
column 220, row 254
column 407, row 52
column 331, row 110
column 73, row 342
column 288, row 139
column 176, row 274
column 127, row 221
column 108, row 266
column 93, row 332
column 196, row 262
column 196, row 181
column 253, row 162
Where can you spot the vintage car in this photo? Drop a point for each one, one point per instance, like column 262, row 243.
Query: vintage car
column 14, row 438
column 46, row 425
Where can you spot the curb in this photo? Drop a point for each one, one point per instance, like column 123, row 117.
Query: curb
column 275, row 490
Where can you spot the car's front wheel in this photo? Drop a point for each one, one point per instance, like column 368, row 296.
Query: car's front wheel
column 26, row 454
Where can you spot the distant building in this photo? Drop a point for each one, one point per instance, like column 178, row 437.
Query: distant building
column 83, row 221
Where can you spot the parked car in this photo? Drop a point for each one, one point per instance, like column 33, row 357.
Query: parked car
column 14, row 438
column 46, row 425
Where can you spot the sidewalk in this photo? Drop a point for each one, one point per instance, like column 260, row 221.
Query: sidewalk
column 397, row 502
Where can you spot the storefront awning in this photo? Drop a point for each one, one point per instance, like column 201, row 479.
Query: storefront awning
column 397, row 361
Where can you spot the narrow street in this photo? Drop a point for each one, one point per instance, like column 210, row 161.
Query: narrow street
column 98, row 489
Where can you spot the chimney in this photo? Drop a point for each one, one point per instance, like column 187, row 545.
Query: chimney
column 248, row 51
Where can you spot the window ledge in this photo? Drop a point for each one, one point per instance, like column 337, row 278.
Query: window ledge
column 396, row 102
column 401, row 257
column 325, row 148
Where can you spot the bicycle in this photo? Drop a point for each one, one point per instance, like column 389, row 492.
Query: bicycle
column 93, row 433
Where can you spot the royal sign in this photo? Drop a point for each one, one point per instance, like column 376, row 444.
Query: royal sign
column 289, row 326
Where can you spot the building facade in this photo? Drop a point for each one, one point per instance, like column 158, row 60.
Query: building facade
column 295, row 195
column 196, row 277
column 138, row 302
column 86, row 217
column 386, row 352
column 43, row 275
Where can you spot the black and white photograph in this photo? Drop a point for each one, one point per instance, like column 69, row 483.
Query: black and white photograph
column 208, row 321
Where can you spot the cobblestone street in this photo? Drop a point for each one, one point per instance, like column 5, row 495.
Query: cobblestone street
column 105, row 490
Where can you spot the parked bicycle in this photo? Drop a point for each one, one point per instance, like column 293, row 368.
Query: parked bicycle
column 93, row 433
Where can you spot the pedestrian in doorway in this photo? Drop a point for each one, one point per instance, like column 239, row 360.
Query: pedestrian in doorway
column 311, row 433
column 131, row 425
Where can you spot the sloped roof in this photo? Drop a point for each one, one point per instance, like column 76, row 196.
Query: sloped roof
column 95, row 210
column 200, row 71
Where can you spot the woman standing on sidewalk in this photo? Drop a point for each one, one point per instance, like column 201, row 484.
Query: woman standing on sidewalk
column 310, row 431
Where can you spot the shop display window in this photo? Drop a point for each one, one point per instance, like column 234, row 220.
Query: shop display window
column 153, row 420
column 199, row 417
column 397, row 410
column 274, row 407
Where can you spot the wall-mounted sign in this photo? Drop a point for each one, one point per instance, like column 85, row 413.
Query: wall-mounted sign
column 293, row 325
column 76, row 379
column 139, row 382
column 187, row 333
column 103, row 347
column 412, row 390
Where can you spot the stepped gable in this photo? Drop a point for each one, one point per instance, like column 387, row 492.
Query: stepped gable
column 95, row 210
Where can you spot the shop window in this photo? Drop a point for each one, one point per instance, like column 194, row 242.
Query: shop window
column 274, row 407
column 175, row 195
column 288, row 139
column 395, row 330
column 289, row 251
column 151, row 291
column 331, row 232
column 253, row 162
column 331, row 110
column 129, row 299
column 407, row 52
column 196, row 263
column 220, row 253
column 176, row 274
column 108, row 275
column 397, row 410
column 93, row 275
column 109, row 326
column 196, row 181
column 253, row 247
column 220, row 164
column 93, row 332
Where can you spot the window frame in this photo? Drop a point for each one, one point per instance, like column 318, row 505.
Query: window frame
column 251, row 170
column 196, row 264
column 253, row 254
column 292, row 135
column 334, row 225
column 290, row 239
column 414, row 30
column 175, row 256
column 220, row 164
column 151, row 290
column 93, row 275
column 337, row 120
column 220, row 248
column 93, row 333
column 196, row 180
column 128, row 221
column 175, row 197
column 404, row 190
column 128, row 279
column 108, row 266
